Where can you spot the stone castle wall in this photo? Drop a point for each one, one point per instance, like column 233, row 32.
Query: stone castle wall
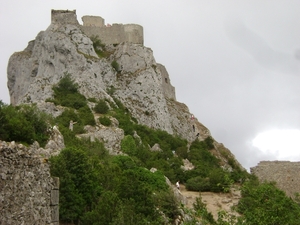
column 95, row 26
column 112, row 34
column 117, row 33
column 28, row 194
column 286, row 175
column 64, row 16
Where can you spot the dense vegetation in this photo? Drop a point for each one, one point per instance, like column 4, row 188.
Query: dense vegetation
column 24, row 123
column 97, row 188
column 66, row 94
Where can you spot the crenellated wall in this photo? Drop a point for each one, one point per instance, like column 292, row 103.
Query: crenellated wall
column 28, row 194
column 286, row 175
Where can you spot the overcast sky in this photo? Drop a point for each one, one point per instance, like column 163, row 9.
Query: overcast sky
column 235, row 64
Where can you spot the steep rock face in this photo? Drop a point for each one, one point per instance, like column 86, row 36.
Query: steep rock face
column 136, row 79
column 141, row 84
column 58, row 50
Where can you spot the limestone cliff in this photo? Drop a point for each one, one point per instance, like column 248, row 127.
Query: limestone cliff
column 139, row 82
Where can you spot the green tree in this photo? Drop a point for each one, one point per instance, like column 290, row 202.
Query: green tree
column 105, row 211
column 78, row 183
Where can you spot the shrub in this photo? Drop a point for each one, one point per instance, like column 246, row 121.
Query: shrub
column 182, row 152
column 98, row 47
column 199, row 154
column 128, row 145
column 219, row 180
column 198, row 184
column 104, row 120
column 101, row 107
column 92, row 100
column 66, row 93
column 86, row 116
column 167, row 203
column 66, row 85
column 23, row 123
column 115, row 65
column 209, row 143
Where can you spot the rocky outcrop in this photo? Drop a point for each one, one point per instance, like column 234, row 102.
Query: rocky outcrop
column 187, row 165
column 111, row 137
column 141, row 84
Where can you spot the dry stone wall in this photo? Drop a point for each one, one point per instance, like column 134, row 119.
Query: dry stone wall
column 28, row 194
column 286, row 175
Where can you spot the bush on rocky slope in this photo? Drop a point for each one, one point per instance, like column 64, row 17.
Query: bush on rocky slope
column 24, row 123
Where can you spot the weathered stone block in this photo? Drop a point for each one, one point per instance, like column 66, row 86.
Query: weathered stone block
column 55, row 182
column 55, row 213
column 54, row 198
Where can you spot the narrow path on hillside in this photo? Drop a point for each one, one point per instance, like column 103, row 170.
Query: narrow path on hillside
column 214, row 201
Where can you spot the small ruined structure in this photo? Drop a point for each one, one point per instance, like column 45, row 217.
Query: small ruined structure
column 284, row 173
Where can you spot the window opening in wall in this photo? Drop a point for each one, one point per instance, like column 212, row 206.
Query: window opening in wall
column 166, row 80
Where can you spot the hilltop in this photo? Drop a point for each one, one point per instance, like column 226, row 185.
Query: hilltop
column 123, row 69
column 92, row 110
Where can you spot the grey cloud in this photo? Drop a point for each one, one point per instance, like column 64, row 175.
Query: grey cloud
column 261, row 51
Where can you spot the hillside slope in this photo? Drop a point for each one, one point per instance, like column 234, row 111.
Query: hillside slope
column 127, row 72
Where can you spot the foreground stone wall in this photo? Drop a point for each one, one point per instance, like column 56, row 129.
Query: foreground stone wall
column 28, row 194
column 286, row 175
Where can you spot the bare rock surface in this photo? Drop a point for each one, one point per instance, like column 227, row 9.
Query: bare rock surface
column 214, row 202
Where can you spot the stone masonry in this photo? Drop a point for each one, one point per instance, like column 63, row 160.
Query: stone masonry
column 286, row 175
column 28, row 194
column 95, row 26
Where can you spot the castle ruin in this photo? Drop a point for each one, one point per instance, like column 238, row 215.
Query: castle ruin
column 95, row 26
column 284, row 173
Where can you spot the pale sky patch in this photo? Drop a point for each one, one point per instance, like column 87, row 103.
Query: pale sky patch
column 284, row 144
